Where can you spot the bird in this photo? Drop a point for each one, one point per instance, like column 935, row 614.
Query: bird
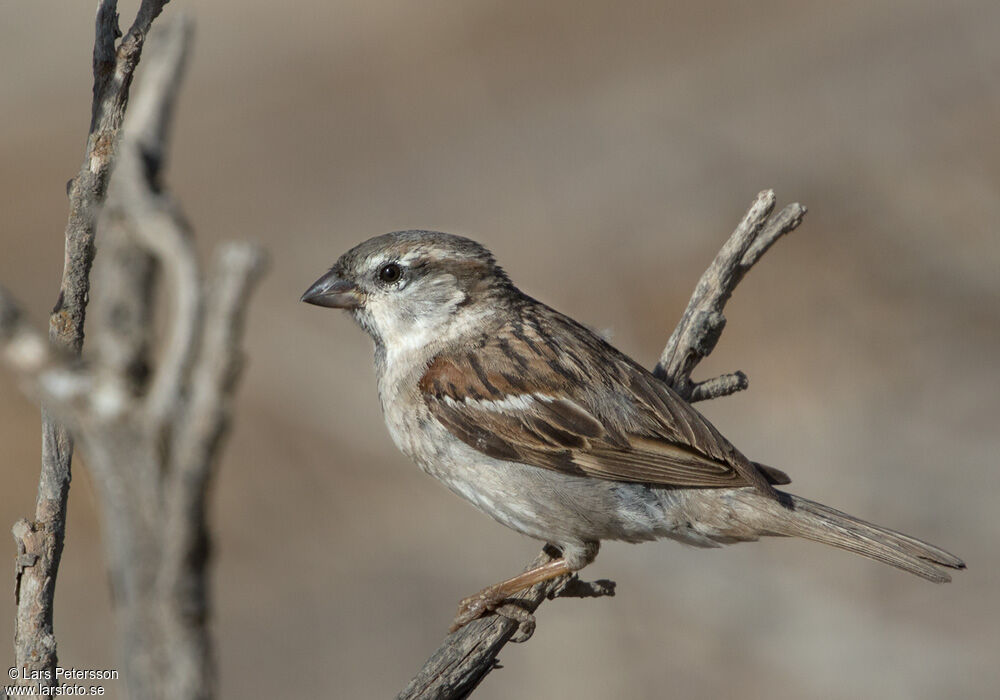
column 546, row 427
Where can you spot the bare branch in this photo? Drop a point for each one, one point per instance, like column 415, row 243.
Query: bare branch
column 153, row 216
column 162, row 229
column 125, row 277
column 469, row 654
column 237, row 268
column 142, row 232
column 55, row 378
column 718, row 387
column 151, row 436
column 787, row 220
column 164, row 604
column 127, row 273
column 700, row 327
column 205, row 417
column 151, row 113
column 466, row 656
column 202, row 423
column 34, row 641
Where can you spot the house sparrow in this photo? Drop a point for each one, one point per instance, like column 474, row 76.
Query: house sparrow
column 544, row 426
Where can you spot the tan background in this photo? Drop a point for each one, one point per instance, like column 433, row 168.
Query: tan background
column 603, row 151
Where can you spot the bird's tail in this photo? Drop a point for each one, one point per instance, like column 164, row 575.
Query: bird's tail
column 800, row 517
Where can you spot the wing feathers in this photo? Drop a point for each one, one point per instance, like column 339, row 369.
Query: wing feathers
column 585, row 410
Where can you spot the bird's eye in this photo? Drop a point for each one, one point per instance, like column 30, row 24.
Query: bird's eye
column 390, row 273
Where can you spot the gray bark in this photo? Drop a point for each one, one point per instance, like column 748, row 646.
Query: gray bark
column 151, row 428
column 40, row 541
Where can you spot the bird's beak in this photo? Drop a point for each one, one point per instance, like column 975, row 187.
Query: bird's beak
column 334, row 292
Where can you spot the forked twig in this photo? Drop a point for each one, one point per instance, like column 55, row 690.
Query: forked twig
column 151, row 428
column 40, row 541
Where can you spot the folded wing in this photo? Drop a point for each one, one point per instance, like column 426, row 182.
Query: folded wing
column 517, row 397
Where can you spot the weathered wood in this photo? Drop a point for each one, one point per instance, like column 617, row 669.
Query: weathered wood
column 151, row 430
column 40, row 541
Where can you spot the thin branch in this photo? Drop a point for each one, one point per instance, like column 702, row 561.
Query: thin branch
column 34, row 640
column 469, row 654
column 163, row 231
column 55, row 378
column 157, row 221
column 129, row 272
column 465, row 657
column 151, row 113
column 720, row 386
column 202, row 423
column 193, row 453
column 700, row 327
column 237, row 269
column 125, row 278
column 146, row 235
column 151, row 437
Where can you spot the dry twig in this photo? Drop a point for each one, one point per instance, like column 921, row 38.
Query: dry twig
column 151, row 431
column 701, row 326
column 40, row 541
column 466, row 656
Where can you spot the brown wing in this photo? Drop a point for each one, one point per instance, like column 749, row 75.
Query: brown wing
column 519, row 396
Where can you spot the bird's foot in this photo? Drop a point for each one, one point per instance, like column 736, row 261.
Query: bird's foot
column 524, row 619
column 478, row 605
column 493, row 600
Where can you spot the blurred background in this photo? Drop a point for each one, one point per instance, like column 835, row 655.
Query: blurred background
column 604, row 151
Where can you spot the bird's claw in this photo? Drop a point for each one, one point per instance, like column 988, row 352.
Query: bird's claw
column 474, row 607
column 524, row 619
column 492, row 601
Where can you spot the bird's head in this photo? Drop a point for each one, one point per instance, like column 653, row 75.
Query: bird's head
column 411, row 286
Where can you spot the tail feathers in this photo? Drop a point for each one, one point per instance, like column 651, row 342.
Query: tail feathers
column 774, row 476
column 813, row 521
